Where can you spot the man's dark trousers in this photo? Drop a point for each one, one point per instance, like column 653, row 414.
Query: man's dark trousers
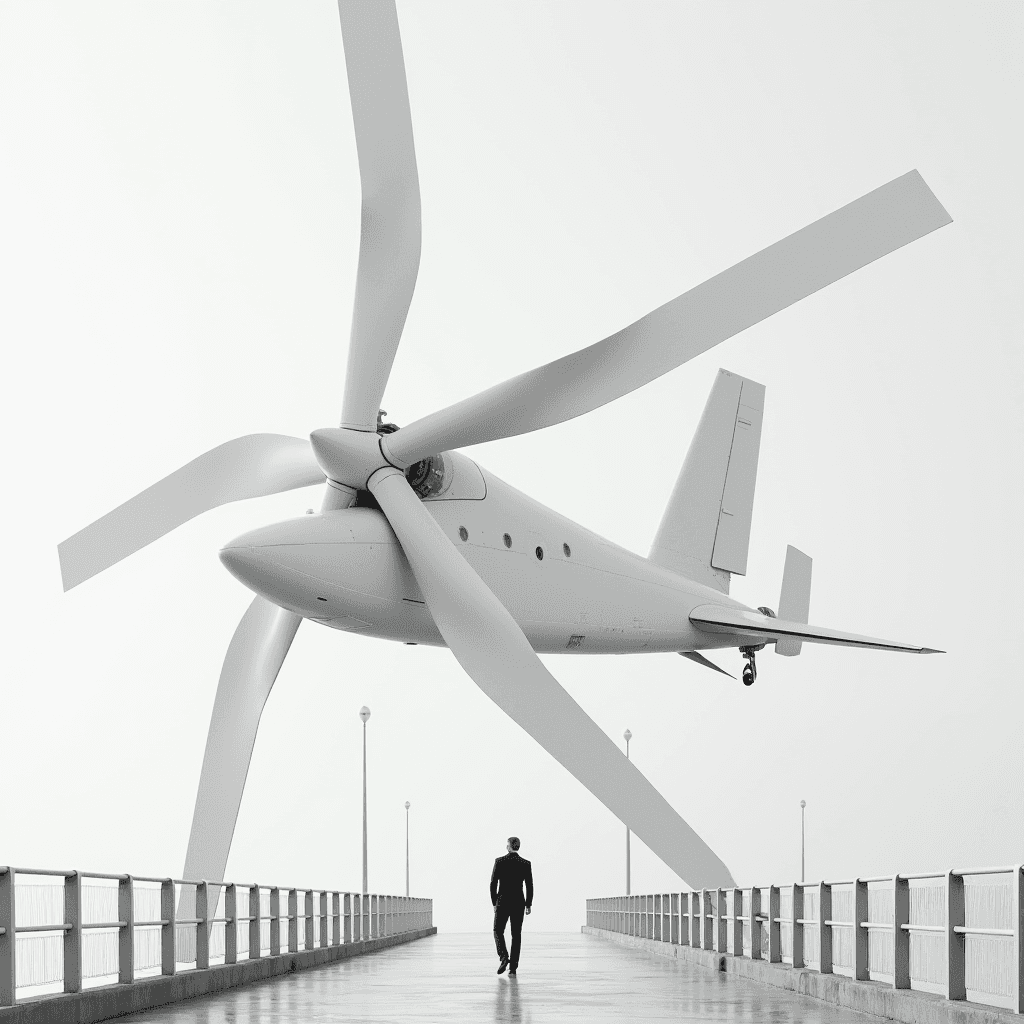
column 502, row 914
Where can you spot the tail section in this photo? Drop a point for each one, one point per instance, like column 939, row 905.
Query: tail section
column 705, row 531
column 795, row 600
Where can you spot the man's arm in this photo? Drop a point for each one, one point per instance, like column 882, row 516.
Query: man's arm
column 529, row 885
column 494, row 885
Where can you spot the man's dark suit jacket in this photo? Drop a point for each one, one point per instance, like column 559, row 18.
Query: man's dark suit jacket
column 510, row 873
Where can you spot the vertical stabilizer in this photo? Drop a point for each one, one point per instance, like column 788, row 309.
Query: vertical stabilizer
column 705, row 531
column 795, row 599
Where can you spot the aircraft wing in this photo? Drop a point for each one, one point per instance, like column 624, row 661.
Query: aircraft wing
column 714, row 618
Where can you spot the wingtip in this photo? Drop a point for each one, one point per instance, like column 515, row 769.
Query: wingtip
column 930, row 650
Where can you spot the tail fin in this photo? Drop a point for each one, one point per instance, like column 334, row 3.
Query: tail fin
column 795, row 599
column 705, row 531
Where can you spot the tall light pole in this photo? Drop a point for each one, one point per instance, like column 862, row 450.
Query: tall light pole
column 627, row 736
column 803, row 804
column 407, row 806
column 364, row 714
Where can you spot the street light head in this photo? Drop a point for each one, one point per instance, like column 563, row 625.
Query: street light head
column 407, row 805
column 803, row 804
column 627, row 735
column 364, row 713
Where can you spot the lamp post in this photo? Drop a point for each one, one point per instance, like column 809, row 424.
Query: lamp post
column 627, row 736
column 407, row 805
column 364, row 714
column 803, row 804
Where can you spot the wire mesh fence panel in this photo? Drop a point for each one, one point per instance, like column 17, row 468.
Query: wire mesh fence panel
column 148, row 948
column 842, row 938
column 40, row 959
column 989, row 966
column 38, row 903
column 928, row 949
column 881, row 945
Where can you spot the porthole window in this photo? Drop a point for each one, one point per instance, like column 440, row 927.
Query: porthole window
column 540, row 553
column 567, row 551
column 463, row 533
column 508, row 540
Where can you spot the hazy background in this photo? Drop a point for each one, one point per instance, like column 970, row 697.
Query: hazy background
column 179, row 222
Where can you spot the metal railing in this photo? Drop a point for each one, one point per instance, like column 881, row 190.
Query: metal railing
column 954, row 933
column 65, row 931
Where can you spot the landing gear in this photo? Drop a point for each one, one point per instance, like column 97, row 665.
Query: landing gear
column 750, row 669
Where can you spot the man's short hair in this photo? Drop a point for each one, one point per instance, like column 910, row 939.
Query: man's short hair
column 513, row 841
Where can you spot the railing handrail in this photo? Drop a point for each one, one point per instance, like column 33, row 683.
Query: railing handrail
column 340, row 916
column 725, row 919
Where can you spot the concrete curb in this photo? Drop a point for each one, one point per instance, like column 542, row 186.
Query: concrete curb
column 98, row 1004
column 872, row 997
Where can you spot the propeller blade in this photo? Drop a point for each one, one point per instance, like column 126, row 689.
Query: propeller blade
column 495, row 653
column 247, row 467
column 818, row 255
column 254, row 659
column 389, row 242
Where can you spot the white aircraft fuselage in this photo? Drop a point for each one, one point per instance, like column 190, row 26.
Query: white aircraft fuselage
column 569, row 590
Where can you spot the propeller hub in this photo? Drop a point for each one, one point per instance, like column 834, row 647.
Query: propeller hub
column 348, row 456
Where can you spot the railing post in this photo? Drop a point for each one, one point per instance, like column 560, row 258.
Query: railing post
column 168, row 959
column 695, row 912
column 656, row 916
column 231, row 924
column 675, row 918
column 737, row 922
column 8, row 968
column 336, row 914
column 325, row 926
column 721, row 924
column 309, row 942
column 126, row 933
column 860, row 933
column 275, row 922
column 73, row 935
column 255, row 929
column 796, row 915
column 202, row 932
column 293, row 920
column 774, row 927
column 1017, row 911
column 753, row 913
column 357, row 917
column 824, row 930
column 900, row 935
column 347, row 904
column 956, row 987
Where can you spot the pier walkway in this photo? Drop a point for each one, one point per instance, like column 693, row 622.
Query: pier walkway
column 563, row 979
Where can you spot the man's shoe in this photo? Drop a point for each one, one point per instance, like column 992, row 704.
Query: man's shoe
column 512, row 972
column 503, row 965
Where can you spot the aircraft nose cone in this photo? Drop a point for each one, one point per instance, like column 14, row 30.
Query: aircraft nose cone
column 245, row 563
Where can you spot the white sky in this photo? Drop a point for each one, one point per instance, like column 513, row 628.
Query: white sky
column 179, row 212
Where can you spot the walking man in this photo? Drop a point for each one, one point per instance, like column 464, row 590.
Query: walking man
column 510, row 873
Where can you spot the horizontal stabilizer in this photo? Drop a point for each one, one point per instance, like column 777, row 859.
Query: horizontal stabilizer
column 738, row 621
column 699, row 659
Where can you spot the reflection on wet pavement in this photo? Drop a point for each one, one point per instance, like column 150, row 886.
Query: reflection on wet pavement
column 563, row 979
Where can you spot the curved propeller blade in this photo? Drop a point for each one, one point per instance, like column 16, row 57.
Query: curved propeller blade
column 818, row 255
column 495, row 653
column 389, row 242
column 247, row 467
column 254, row 659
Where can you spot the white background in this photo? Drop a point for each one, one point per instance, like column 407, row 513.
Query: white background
column 179, row 205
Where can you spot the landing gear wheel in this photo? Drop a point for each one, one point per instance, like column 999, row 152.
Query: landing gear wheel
column 750, row 669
